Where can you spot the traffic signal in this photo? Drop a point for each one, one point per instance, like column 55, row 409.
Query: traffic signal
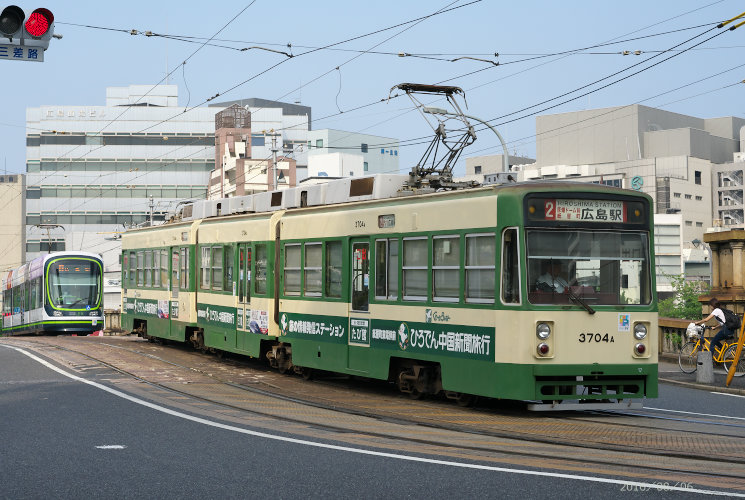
column 27, row 37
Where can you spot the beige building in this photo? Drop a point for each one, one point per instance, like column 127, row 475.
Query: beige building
column 12, row 228
column 236, row 172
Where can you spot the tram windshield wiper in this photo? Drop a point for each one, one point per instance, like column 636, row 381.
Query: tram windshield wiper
column 79, row 301
column 578, row 300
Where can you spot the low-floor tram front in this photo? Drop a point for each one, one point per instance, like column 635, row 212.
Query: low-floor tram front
column 438, row 293
column 56, row 293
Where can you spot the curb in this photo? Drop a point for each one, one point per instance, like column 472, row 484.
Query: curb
column 703, row 387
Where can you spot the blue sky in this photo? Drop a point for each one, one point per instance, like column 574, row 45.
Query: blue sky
column 79, row 67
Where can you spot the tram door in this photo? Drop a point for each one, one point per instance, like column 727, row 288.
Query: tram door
column 360, row 276
column 173, row 304
column 243, row 311
column 359, row 319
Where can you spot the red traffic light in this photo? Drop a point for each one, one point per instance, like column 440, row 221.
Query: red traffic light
column 38, row 22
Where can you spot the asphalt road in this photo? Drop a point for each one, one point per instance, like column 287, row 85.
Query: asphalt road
column 63, row 438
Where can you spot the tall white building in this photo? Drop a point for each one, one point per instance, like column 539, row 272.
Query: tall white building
column 379, row 155
column 93, row 171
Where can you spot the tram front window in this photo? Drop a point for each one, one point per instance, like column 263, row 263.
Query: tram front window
column 74, row 284
column 601, row 267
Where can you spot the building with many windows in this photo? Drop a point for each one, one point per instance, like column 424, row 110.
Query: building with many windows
column 686, row 164
column 93, row 171
column 378, row 155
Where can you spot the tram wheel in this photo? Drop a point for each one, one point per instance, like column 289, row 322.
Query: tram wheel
column 415, row 394
column 465, row 400
column 307, row 373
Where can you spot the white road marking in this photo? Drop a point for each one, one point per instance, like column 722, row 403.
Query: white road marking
column 728, row 394
column 111, row 447
column 694, row 413
column 409, row 458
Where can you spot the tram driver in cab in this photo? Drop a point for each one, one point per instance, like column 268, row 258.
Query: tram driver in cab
column 552, row 279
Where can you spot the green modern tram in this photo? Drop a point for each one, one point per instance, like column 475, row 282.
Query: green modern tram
column 56, row 293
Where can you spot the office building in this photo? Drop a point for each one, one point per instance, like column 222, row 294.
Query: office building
column 95, row 170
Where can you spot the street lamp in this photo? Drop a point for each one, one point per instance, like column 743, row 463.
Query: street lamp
column 440, row 111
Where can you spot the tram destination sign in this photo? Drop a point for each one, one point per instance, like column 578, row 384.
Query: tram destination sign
column 601, row 211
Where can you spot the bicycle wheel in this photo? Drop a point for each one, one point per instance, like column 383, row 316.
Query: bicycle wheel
column 687, row 357
column 729, row 358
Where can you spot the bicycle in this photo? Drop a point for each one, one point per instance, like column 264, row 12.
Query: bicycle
column 687, row 357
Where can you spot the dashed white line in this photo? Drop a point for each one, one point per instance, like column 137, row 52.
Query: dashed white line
column 409, row 458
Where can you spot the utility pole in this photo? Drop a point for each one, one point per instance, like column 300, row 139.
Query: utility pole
column 49, row 236
column 273, row 185
column 274, row 162
column 152, row 206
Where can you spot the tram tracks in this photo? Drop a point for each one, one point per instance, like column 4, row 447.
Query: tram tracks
column 327, row 408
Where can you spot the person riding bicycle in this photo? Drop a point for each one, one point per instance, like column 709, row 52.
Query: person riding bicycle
column 724, row 332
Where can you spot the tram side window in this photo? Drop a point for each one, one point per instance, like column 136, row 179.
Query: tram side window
column 185, row 269
column 510, row 267
column 415, row 268
column 156, row 268
column 132, row 269
column 244, row 274
column 481, row 256
column 140, row 268
column 175, row 268
column 206, row 264
column 17, row 299
column 292, row 269
column 312, row 269
column 333, row 269
column 446, row 268
column 261, row 269
column 217, row 268
column 164, row 268
column 124, row 261
column 227, row 284
column 7, row 302
column 386, row 269
column 32, row 294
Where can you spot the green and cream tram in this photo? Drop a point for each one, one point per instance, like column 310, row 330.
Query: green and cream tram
column 438, row 292
column 57, row 293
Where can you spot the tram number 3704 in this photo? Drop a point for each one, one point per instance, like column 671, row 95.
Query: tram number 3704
column 595, row 337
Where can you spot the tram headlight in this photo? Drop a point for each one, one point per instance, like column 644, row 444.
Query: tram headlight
column 640, row 331
column 543, row 331
column 57, row 313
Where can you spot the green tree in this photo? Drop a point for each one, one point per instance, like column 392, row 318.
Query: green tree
column 684, row 304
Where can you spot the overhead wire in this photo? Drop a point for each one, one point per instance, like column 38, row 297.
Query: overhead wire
column 363, row 106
